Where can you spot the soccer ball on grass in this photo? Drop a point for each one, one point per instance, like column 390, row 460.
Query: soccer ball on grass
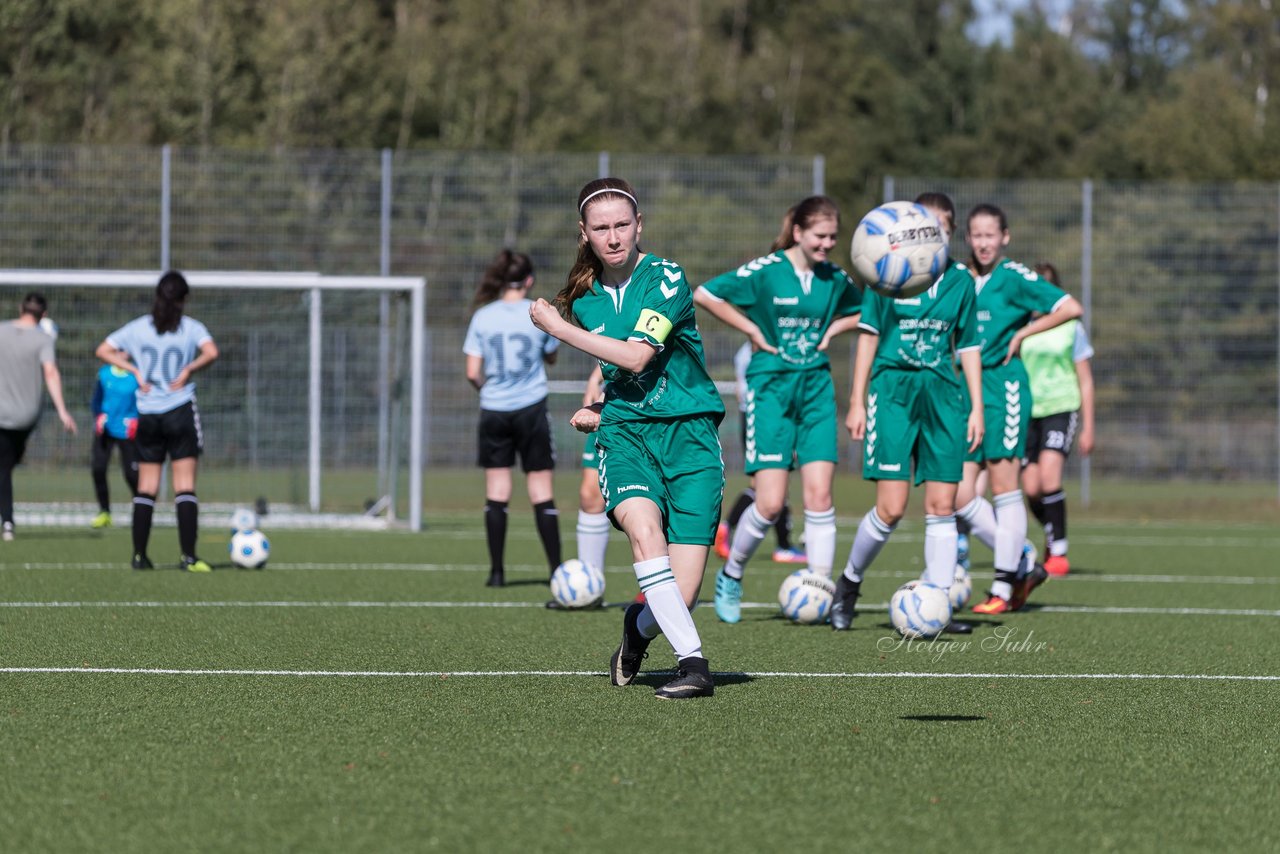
column 806, row 596
column 249, row 549
column 899, row 249
column 961, row 589
column 920, row 610
column 575, row 584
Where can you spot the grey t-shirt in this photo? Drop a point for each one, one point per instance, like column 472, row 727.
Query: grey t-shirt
column 23, row 352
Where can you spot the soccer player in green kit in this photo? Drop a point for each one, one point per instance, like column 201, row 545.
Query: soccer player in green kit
column 789, row 304
column 1009, row 294
column 909, row 410
column 660, row 466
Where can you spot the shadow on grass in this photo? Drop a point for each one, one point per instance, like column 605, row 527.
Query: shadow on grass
column 941, row 718
column 658, row 678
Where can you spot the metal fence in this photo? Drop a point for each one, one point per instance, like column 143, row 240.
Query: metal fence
column 1180, row 282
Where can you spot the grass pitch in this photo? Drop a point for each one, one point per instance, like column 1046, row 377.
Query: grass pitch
column 367, row 692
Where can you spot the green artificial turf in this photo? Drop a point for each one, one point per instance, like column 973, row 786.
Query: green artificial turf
column 351, row 726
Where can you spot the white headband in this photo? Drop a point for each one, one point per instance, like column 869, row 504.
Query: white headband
column 582, row 207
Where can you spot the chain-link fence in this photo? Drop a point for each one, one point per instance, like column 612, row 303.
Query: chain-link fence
column 1181, row 281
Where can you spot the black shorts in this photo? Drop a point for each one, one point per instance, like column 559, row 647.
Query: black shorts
column 175, row 433
column 13, row 444
column 1051, row 433
column 525, row 431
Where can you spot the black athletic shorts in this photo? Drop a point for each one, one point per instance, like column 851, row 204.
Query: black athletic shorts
column 1051, row 433
column 525, row 431
column 176, row 433
column 13, row 445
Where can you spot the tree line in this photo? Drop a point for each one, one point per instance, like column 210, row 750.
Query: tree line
column 1110, row 89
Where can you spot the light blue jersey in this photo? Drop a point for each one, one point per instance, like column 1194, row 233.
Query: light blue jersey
column 161, row 358
column 513, row 350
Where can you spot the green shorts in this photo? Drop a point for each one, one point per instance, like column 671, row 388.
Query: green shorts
column 1006, row 408
column 791, row 420
column 590, row 459
column 676, row 464
column 914, row 416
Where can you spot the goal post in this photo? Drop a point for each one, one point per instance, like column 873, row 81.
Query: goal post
column 309, row 356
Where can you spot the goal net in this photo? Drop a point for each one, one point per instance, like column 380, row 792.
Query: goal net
column 309, row 412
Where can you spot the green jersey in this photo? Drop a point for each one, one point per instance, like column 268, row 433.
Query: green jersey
column 655, row 306
column 1050, row 358
column 793, row 310
column 1007, row 297
column 924, row 332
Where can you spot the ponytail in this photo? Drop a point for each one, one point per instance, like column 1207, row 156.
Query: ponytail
column 171, row 294
column 507, row 270
column 803, row 215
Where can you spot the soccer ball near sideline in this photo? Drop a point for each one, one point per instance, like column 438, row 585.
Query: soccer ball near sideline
column 805, row 597
column 919, row 610
column 899, row 249
column 961, row 589
column 243, row 519
column 575, row 584
column 249, row 549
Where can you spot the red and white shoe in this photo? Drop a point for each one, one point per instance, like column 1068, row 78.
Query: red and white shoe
column 993, row 605
column 1057, row 565
column 722, row 540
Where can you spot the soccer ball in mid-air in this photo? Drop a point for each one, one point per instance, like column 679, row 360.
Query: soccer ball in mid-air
column 243, row 519
column 249, row 549
column 961, row 589
column 805, row 597
column 575, row 584
column 899, row 249
column 920, row 610
column 50, row 328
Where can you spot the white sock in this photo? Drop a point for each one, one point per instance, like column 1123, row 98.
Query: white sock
column 940, row 550
column 1058, row 548
column 981, row 517
column 1011, row 530
column 870, row 539
column 593, row 537
column 820, row 540
column 662, row 597
column 747, row 537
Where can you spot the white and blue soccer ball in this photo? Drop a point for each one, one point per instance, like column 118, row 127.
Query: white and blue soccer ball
column 249, row 549
column 575, row 584
column 961, row 588
column 49, row 327
column 806, row 596
column 899, row 249
column 243, row 519
column 920, row 610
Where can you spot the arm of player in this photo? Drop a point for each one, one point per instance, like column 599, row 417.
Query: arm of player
column 1068, row 308
column 108, row 353
column 1084, row 373
column 838, row 327
column 732, row 317
column 971, row 366
column 53, row 382
column 629, row 355
column 207, row 356
column 475, row 371
column 856, row 421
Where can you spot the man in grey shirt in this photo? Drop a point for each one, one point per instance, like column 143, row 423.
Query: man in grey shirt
column 26, row 355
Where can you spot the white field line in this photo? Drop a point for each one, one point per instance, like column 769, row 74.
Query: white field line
column 444, row 674
column 881, row 606
column 1079, row 578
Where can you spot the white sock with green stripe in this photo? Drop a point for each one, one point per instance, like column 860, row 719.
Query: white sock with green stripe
column 593, row 537
column 981, row 517
column 664, row 608
column 820, row 540
column 872, row 534
column 940, row 550
column 747, row 537
column 1011, row 530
